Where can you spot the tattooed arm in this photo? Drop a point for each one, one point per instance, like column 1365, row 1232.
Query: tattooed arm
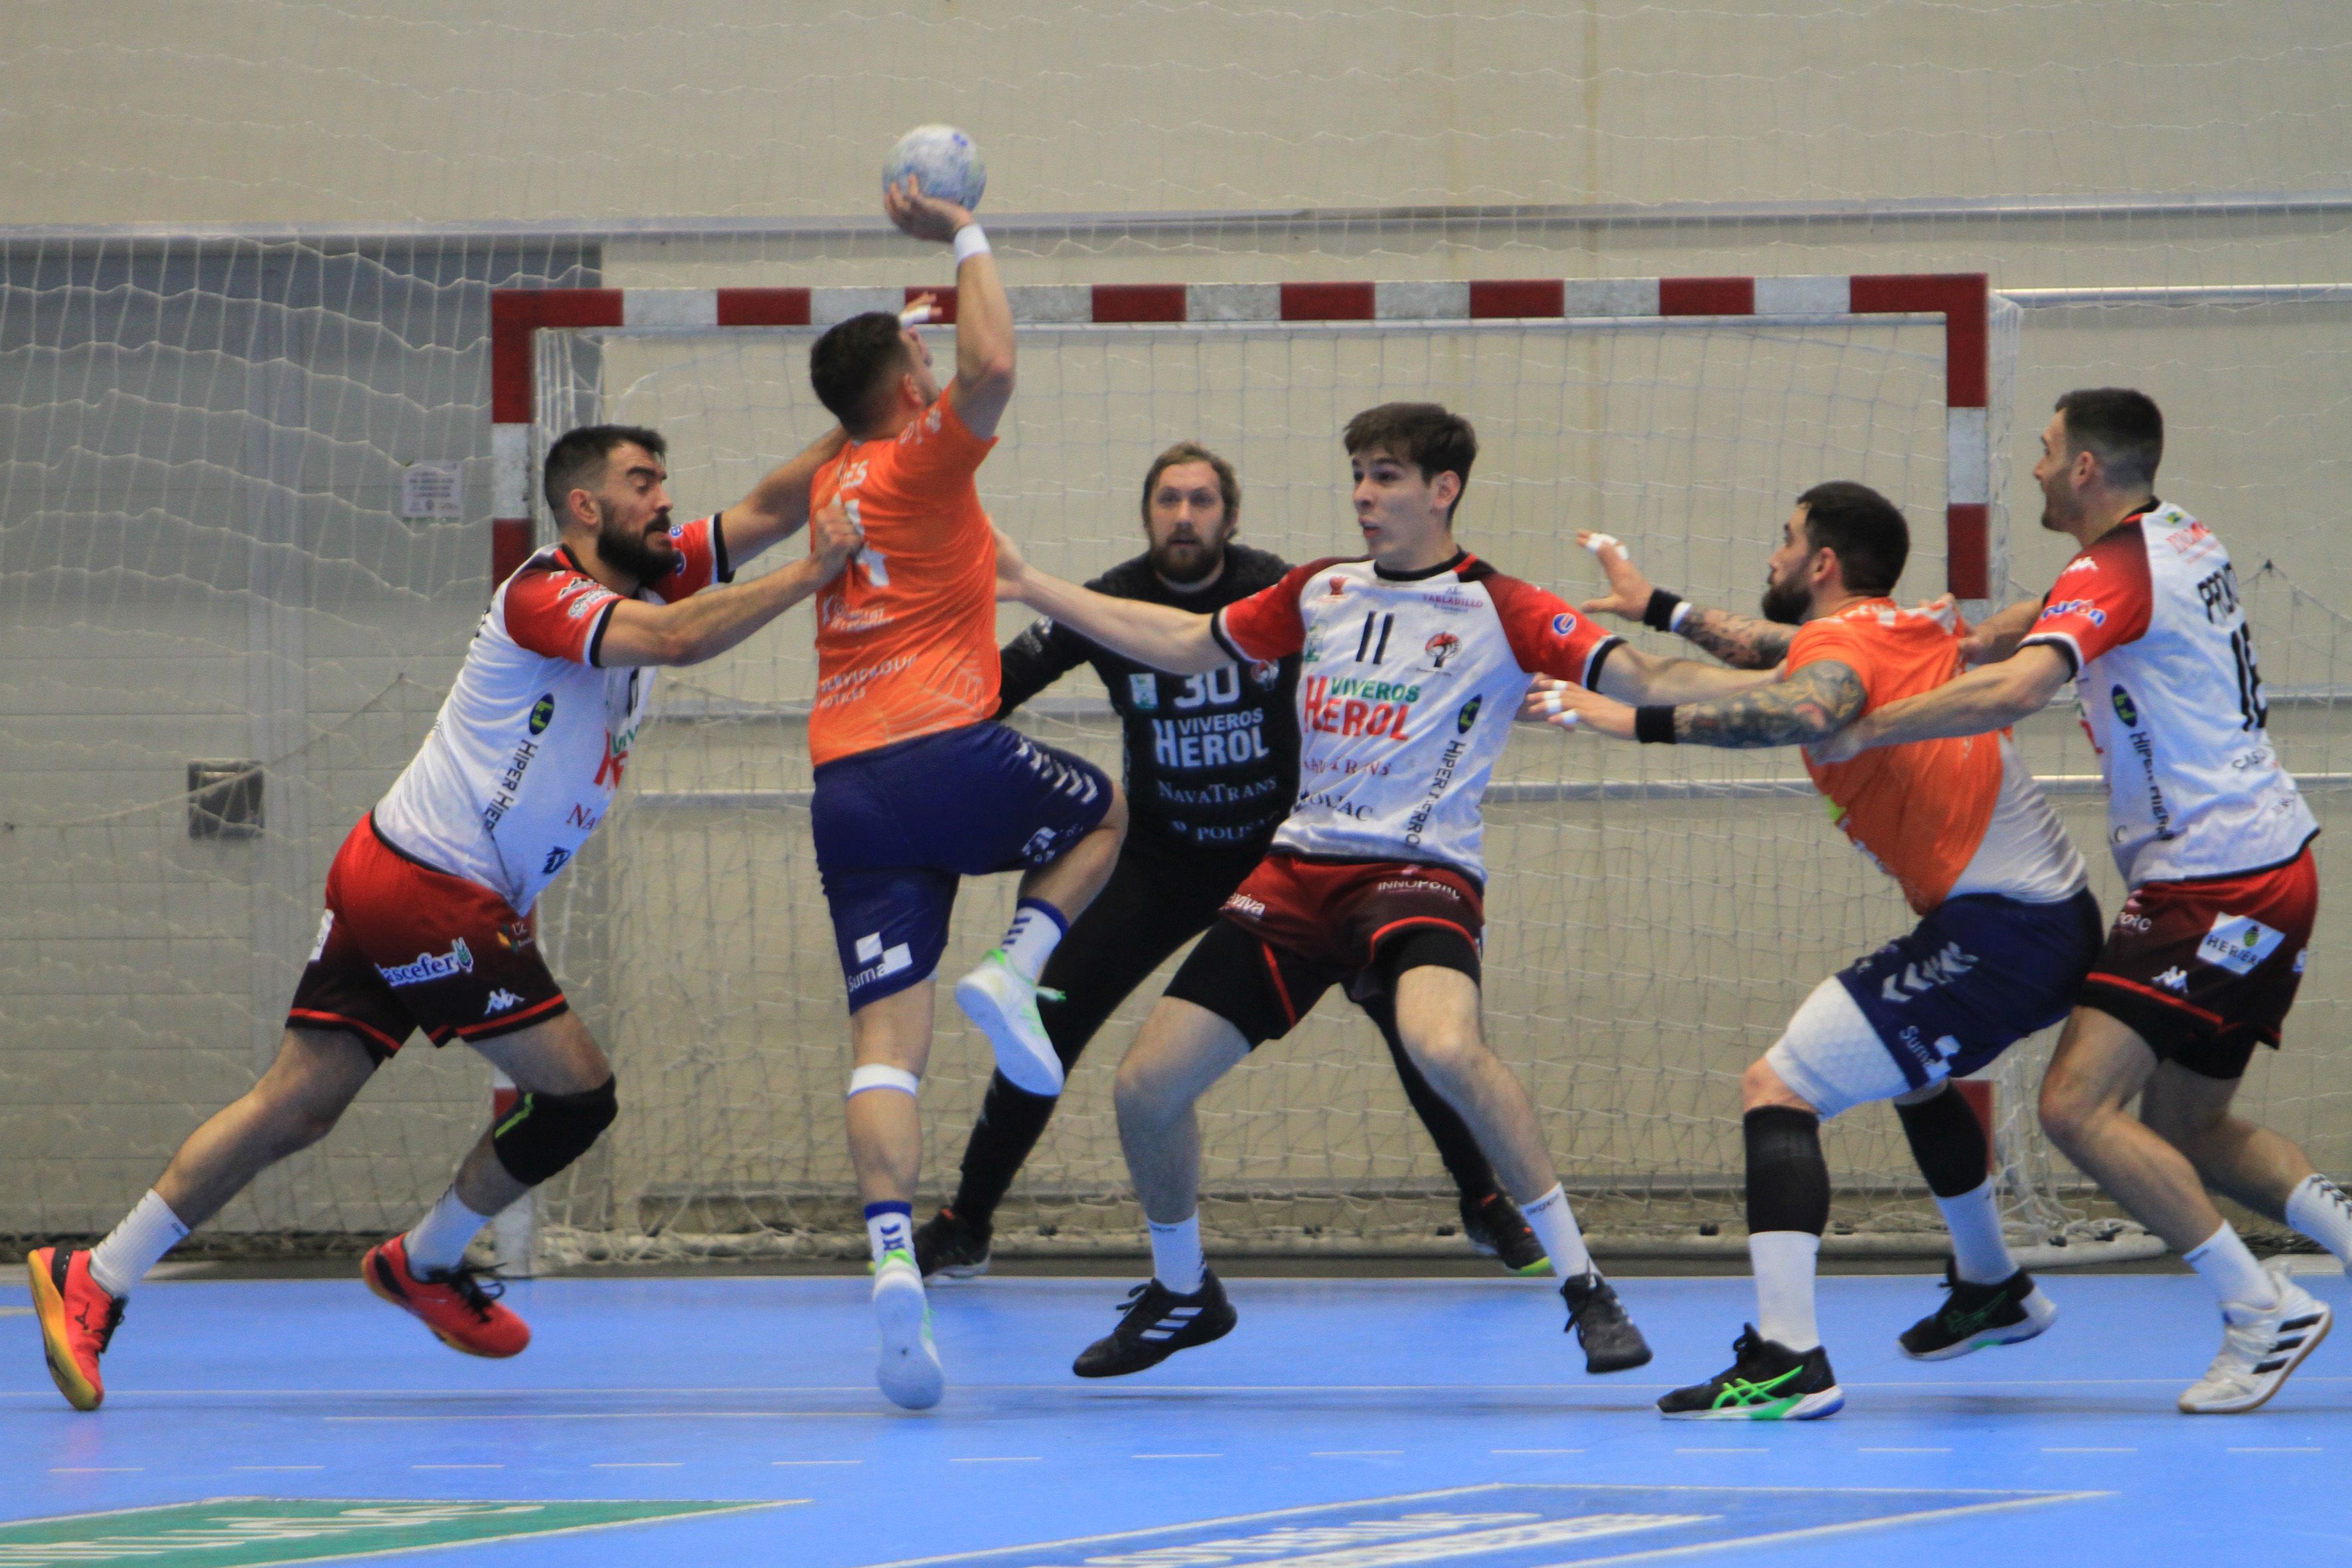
column 1742, row 642
column 1813, row 703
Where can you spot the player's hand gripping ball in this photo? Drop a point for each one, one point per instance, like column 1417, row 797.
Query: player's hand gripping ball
column 944, row 163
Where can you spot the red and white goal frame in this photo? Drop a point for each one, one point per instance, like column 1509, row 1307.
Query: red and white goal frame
column 1961, row 299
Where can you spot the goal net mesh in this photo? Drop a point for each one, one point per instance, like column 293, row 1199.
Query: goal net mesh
column 206, row 563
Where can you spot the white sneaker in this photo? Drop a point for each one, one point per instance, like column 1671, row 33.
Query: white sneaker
column 2259, row 1349
column 1004, row 1006
column 908, row 1369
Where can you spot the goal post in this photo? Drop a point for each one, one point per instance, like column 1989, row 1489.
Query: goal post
column 1655, row 918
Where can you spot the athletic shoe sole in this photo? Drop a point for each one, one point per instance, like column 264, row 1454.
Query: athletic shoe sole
column 907, row 1370
column 1029, row 1065
column 2277, row 1379
column 50, row 1309
column 959, row 1270
column 1804, row 1407
column 2041, row 1312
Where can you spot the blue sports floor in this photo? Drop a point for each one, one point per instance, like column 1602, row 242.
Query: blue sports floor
column 1337, row 1408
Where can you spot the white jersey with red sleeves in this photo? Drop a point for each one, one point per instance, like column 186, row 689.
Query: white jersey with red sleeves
column 528, row 752
column 1407, row 686
column 2166, row 679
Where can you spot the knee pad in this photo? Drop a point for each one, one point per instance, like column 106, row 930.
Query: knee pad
column 874, row 1075
column 545, row 1132
column 1788, row 1179
column 1948, row 1143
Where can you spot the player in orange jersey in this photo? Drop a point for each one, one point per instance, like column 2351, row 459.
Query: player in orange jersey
column 916, row 786
column 2008, row 927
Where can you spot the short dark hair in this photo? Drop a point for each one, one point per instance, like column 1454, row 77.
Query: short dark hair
column 852, row 360
column 1229, row 484
column 1864, row 528
column 576, row 461
column 1430, row 438
column 2123, row 428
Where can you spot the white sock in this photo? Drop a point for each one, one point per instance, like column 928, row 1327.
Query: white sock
column 2222, row 1259
column 1980, row 1251
column 1554, row 1224
column 1037, row 928
column 1784, row 1262
column 1176, row 1260
column 137, row 1245
column 438, row 1241
column 890, row 1228
column 2320, row 1210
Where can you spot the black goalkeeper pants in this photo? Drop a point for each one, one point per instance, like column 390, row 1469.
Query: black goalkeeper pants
column 1155, row 903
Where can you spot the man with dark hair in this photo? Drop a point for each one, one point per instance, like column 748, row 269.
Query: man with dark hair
column 2007, row 928
column 2214, row 842
column 429, row 903
column 1413, row 657
column 1211, row 768
column 917, row 786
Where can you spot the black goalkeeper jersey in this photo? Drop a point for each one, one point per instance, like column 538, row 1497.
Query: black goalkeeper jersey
column 1212, row 761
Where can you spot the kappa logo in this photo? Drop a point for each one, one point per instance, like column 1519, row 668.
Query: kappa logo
column 500, row 1000
column 430, row 966
column 2239, row 943
column 2174, row 979
column 1917, row 979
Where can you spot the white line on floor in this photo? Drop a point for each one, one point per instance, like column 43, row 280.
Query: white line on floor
column 456, row 1467
column 1355, row 1452
column 1902, row 1450
column 1723, row 1451
column 636, row 1464
column 638, row 1416
column 996, row 1459
column 95, row 1469
column 2090, row 1450
column 1535, row 1450
column 1175, row 1456
column 816, row 1461
column 2277, row 1450
column 277, row 1466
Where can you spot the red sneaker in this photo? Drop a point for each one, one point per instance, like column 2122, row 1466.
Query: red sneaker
column 456, row 1304
column 78, row 1322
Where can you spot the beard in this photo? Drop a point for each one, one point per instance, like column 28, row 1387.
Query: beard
column 631, row 550
column 1187, row 562
column 1785, row 604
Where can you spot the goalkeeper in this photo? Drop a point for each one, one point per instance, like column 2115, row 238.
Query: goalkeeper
column 1212, row 768
column 2008, row 927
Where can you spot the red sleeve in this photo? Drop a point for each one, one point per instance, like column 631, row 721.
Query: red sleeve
column 2100, row 601
column 1267, row 625
column 1547, row 637
column 555, row 612
column 701, row 560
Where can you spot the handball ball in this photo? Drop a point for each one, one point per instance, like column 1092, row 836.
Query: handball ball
column 944, row 163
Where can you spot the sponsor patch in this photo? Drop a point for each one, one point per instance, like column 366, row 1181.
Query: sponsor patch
column 1468, row 715
column 2125, row 707
column 1562, row 624
column 2239, row 943
column 430, row 966
column 542, row 712
column 1143, row 691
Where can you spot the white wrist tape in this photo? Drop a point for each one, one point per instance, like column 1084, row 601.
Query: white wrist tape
column 1597, row 543
column 874, row 1075
column 1682, row 613
column 969, row 242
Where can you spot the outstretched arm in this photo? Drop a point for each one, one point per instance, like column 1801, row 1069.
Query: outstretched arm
column 1742, row 642
column 778, row 505
column 1814, row 702
column 716, row 619
column 1992, row 697
column 1996, row 635
column 1631, row 676
column 1177, row 641
column 984, row 378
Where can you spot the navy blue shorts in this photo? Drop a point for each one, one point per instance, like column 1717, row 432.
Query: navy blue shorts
column 898, row 826
column 1974, row 978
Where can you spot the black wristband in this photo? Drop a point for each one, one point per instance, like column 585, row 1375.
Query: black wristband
column 1654, row 723
column 1659, row 616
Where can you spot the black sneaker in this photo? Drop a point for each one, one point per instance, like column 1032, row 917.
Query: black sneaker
column 1495, row 1228
column 1155, row 1324
column 1767, row 1380
column 949, row 1245
column 1611, row 1341
column 1976, row 1316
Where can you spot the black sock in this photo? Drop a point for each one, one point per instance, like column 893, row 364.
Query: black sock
column 1011, row 1123
column 1948, row 1143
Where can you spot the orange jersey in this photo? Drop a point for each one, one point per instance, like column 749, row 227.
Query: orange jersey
column 1919, row 810
column 905, row 637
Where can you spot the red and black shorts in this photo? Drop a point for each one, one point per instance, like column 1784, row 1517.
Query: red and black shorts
column 405, row 947
column 1295, row 928
column 2202, row 970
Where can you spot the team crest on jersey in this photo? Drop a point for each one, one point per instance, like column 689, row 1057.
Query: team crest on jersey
column 2239, row 943
column 1441, row 647
column 1339, row 586
column 1266, row 671
column 542, row 712
column 1562, row 624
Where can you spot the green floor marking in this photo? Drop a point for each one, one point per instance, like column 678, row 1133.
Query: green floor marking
column 234, row 1533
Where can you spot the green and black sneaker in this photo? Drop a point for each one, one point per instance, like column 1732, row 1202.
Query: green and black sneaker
column 1974, row 1317
column 950, row 1246
column 1767, row 1380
